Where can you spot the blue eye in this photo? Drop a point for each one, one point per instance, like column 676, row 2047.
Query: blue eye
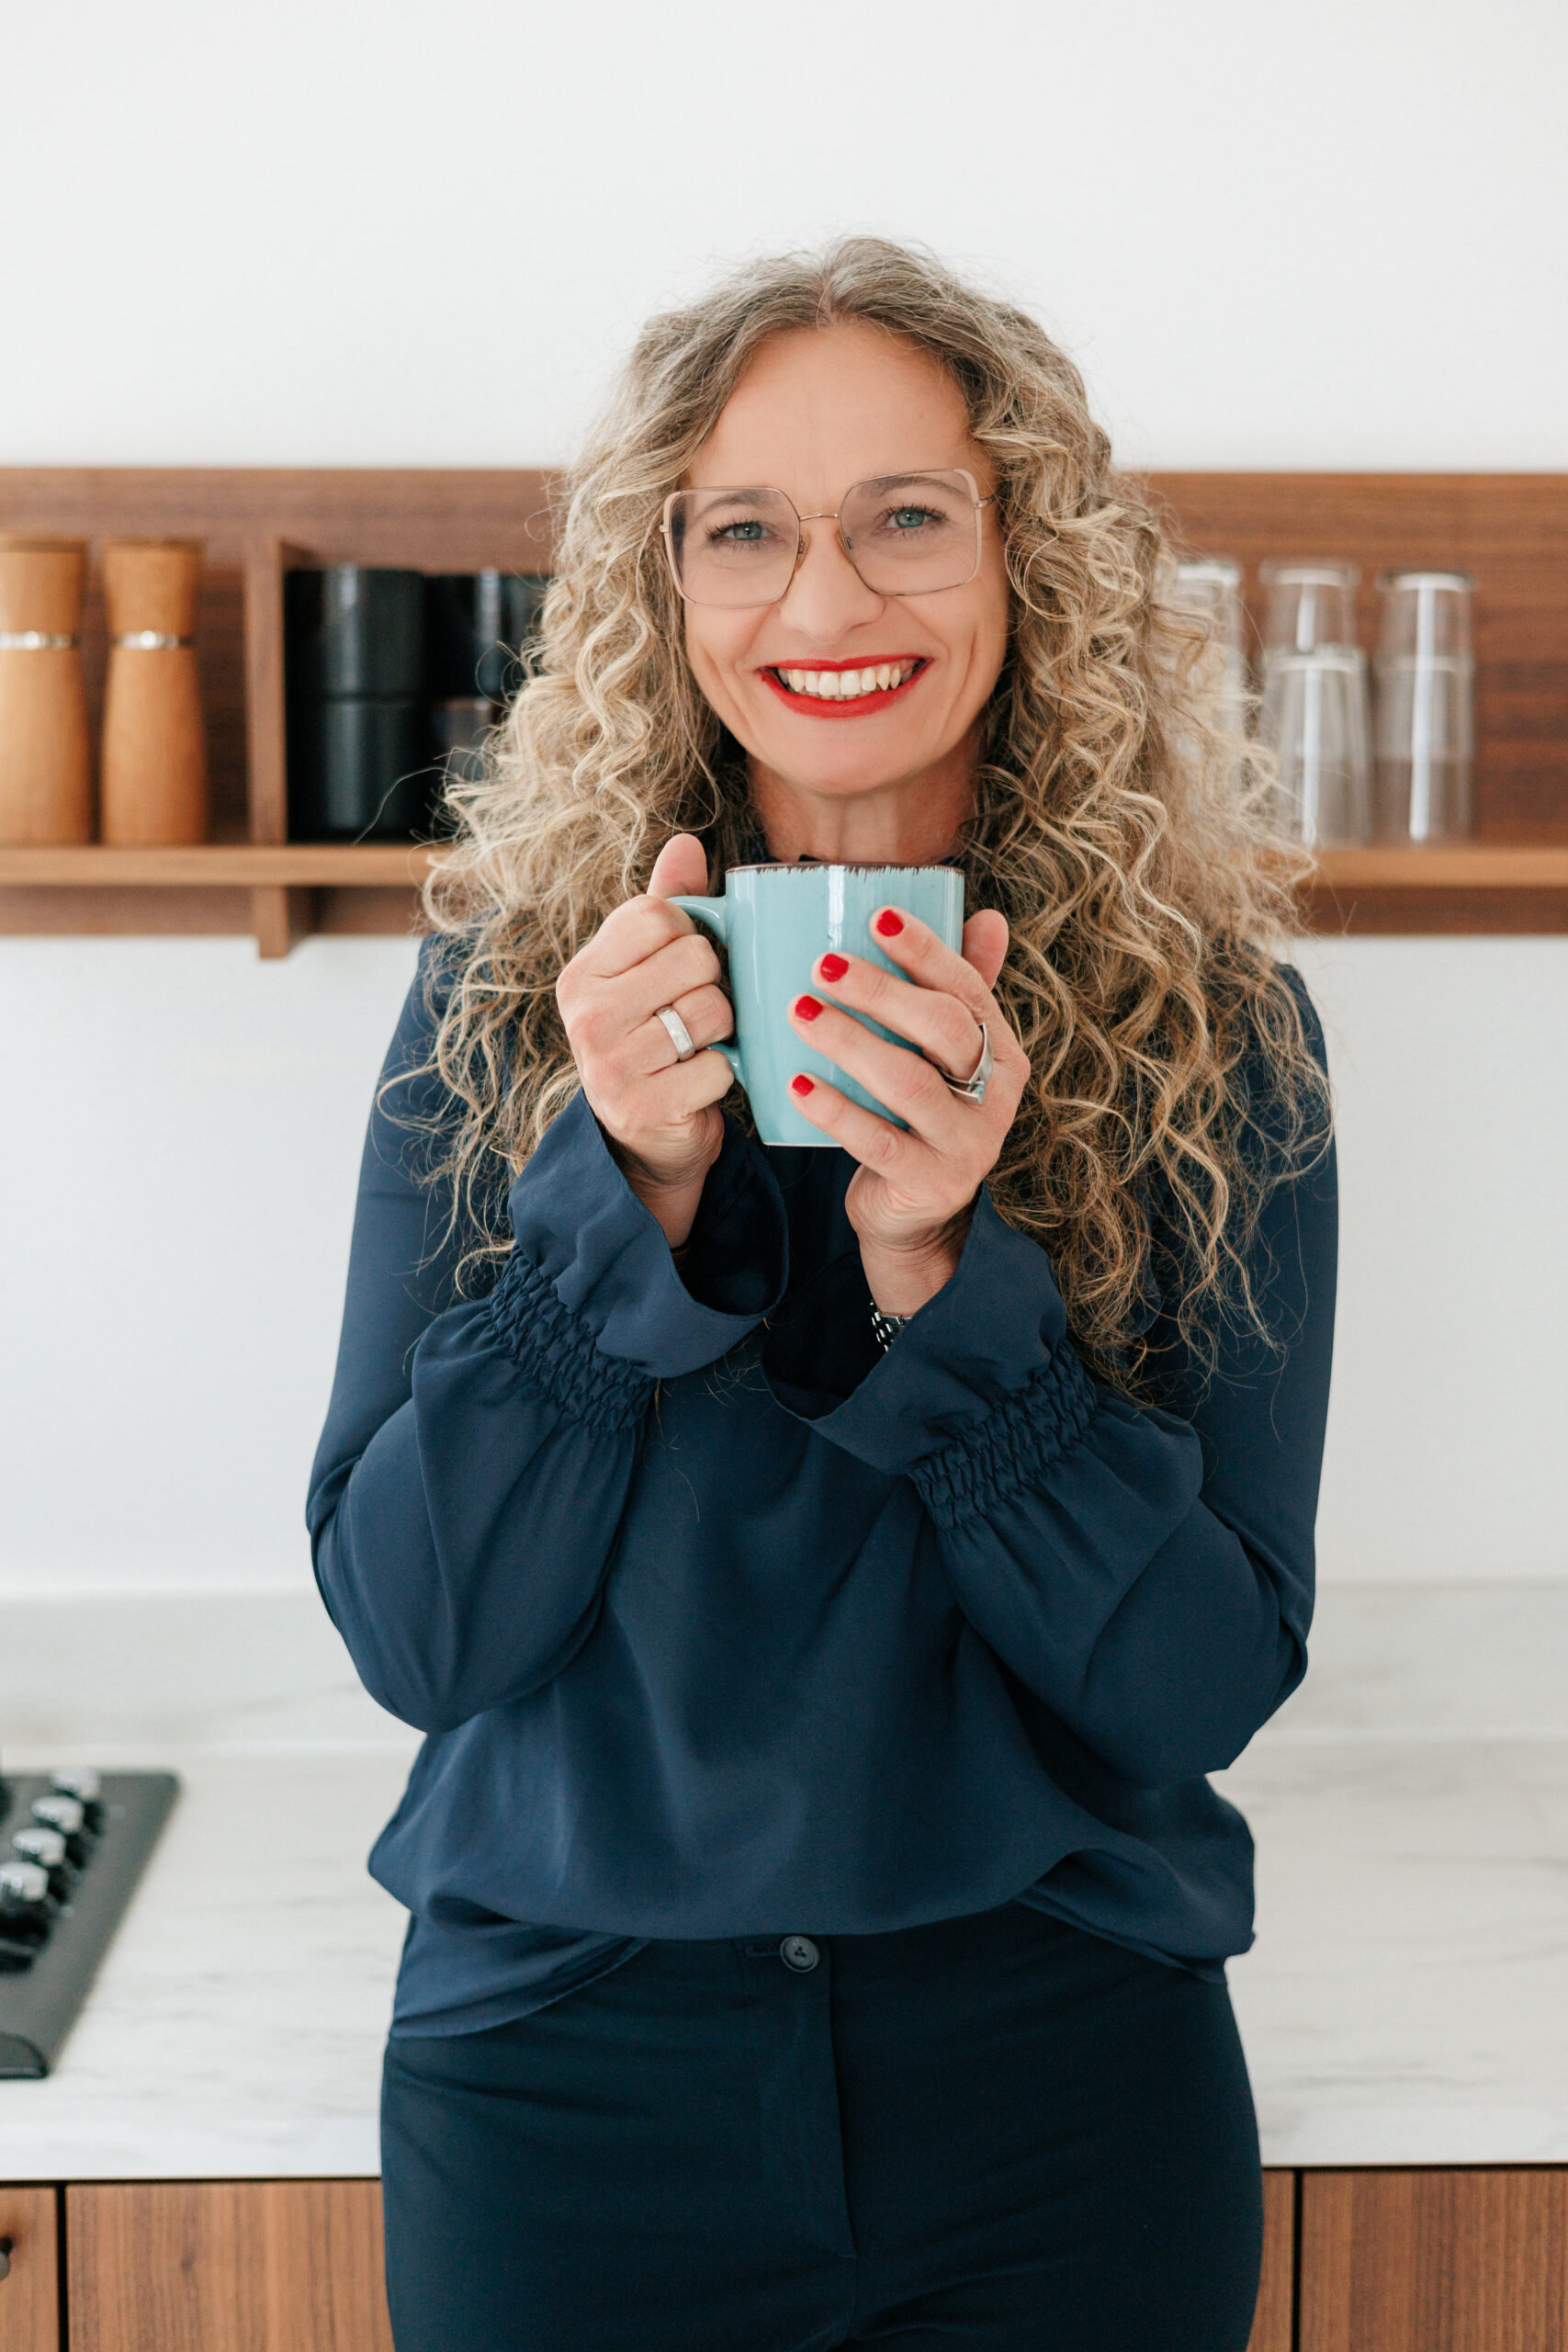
column 909, row 518
column 740, row 535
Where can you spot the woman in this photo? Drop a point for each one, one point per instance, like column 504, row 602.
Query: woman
column 825, row 1576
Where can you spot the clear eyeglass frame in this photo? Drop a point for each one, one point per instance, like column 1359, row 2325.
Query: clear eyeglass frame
column 946, row 475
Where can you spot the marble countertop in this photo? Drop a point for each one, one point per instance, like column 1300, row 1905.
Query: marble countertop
column 235, row 2028
column 1403, row 2003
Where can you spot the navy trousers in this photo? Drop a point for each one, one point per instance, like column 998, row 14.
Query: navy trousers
column 995, row 2131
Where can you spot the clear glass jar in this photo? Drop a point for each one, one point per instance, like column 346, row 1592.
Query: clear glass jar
column 1314, row 718
column 1425, row 700
column 1316, row 711
column 1311, row 604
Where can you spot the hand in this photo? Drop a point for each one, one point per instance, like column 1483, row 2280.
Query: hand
column 911, row 1198
column 660, row 1113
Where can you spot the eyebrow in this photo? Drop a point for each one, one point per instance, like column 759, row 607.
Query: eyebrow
column 751, row 495
column 894, row 481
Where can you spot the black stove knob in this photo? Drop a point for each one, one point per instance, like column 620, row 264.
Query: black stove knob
column 88, row 1789
column 47, row 1848
column 69, row 1816
column 27, row 1910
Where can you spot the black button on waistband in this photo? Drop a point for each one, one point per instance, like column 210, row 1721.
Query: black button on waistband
column 799, row 1952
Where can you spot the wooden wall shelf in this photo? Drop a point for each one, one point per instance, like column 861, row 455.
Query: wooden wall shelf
column 1509, row 530
column 282, row 892
column 376, row 865
column 390, row 866
column 1477, row 887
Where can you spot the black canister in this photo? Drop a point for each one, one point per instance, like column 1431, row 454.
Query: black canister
column 465, row 621
column 459, row 730
column 477, row 625
column 524, row 604
column 358, row 758
column 359, row 769
column 354, row 628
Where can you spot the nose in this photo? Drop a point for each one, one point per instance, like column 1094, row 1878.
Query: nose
column 827, row 598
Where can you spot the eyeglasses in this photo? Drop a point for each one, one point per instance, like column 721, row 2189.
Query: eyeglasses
column 907, row 535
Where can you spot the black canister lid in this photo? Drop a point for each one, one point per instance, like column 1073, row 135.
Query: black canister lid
column 354, row 628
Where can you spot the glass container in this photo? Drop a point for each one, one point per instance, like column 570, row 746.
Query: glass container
column 1311, row 604
column 1425, row 697
column 1316, row 711
column 1211, row 587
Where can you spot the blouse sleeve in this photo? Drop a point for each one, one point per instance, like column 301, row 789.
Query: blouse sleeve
column 1146, row 1573
column 474, row 1467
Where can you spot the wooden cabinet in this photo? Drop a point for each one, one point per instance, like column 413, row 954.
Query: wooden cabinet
column 30, row 2293
column 1435, row 2261
column 1274, row 2322
column 274, row 2265
column 1377, row 2261
column 293, row 2266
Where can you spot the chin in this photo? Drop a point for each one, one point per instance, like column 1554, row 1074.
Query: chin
column 840, row 771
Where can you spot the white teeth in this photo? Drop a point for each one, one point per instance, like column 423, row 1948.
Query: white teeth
column 846, row 685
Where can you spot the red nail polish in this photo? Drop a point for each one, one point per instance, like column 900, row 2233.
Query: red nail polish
column 801, row 1083
column 832, row 968
column 889, row 924
column 807, row 1007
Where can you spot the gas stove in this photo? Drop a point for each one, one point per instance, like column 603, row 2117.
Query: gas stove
column 75, row 1844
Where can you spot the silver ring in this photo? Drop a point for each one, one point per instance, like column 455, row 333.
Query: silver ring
column 679, row 1036
column 149, row 641
column 34, row 640
column 973, row 1087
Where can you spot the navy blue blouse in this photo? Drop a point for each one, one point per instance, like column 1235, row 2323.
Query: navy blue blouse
column 721, row 1621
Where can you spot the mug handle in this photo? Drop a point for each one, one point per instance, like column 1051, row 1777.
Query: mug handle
column 714, row 913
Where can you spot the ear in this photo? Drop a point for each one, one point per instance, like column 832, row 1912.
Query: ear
column 680, row 869
column 986, row 943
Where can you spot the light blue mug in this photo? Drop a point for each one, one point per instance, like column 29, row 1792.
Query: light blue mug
column 775, row 920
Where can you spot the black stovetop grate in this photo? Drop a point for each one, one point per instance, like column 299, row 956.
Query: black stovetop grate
column 40, row 1995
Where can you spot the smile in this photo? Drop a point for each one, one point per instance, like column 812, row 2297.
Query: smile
column 837, row 690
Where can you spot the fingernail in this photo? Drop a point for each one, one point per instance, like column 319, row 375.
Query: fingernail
column 889, row 924
column 801, row 1084
column 806, row 1008
column 832, row 968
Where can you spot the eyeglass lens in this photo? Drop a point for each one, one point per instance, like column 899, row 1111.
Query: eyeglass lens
column 906, row 535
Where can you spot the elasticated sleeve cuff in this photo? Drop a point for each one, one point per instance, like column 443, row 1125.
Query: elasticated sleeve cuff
column 591, row 1281
column 977, row 1393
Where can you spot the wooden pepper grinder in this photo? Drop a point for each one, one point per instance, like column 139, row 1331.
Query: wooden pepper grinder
column 154, row 762
column 46, row 772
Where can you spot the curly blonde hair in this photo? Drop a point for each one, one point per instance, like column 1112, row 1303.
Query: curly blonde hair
column 1122, row 821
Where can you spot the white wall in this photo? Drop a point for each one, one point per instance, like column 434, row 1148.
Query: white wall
column 324, row 233
column 186, row 1127
column 1450, row 1387
column 183, row 1146
column 376, row 232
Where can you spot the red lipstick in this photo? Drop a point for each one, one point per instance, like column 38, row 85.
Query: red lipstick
column 817, row 706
